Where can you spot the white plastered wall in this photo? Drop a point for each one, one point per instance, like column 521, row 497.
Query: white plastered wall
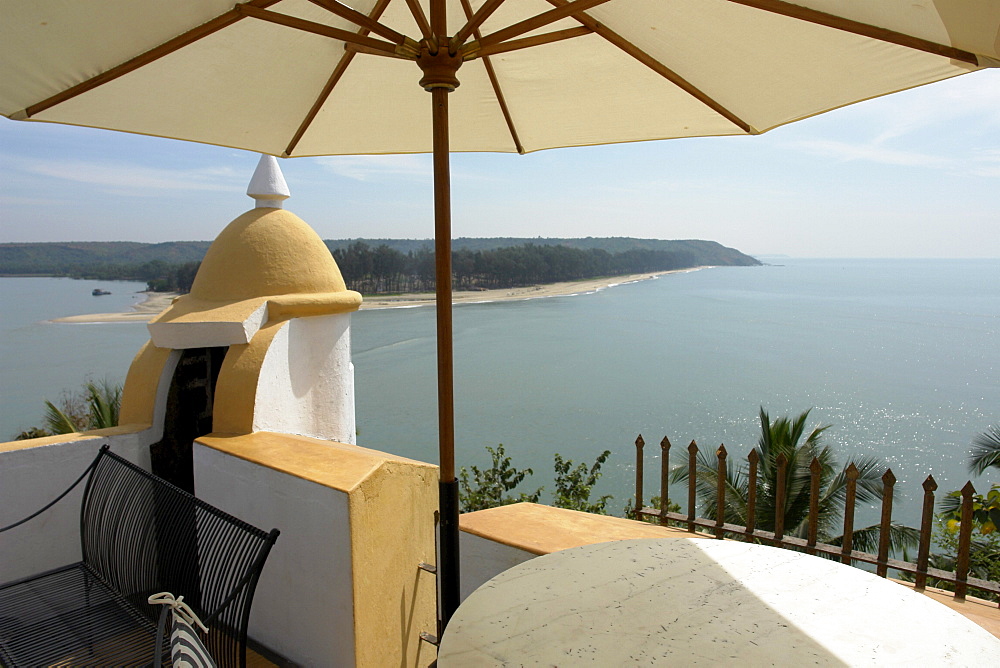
column 32, row 477
column 33, row 474
column 306, row 383
column 482, row 559
column 303, row 608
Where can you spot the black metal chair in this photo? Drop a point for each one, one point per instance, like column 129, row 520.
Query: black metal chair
column 140, row 536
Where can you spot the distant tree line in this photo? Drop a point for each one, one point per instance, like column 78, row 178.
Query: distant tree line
column 380, row 266
column 382, row 270
column 159, row 276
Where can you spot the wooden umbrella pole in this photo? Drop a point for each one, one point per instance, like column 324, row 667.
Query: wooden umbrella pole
column 440, row 68
column 443, row 275
column 448, row 566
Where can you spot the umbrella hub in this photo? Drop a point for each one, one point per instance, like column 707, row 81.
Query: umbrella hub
column 439, row 68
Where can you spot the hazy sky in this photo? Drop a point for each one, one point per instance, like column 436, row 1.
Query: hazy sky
column 916, row 174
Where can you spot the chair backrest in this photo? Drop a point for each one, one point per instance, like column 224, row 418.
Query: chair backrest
column 143, row 535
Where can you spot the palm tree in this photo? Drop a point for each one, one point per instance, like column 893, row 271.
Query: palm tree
column 785, row 437
column 97, row 408
column 985, row 451
column 62, row 419
column 103, row 403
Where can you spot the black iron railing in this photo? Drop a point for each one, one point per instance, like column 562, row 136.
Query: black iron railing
column 920, row 570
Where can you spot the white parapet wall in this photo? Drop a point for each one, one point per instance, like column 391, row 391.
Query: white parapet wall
column 36, row 471
column 342, row 585
column 485, row 558
column 307, row 619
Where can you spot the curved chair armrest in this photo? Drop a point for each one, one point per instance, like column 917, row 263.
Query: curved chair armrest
column 250, row 576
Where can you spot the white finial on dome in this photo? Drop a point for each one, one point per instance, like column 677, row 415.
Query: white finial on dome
column 267, row 185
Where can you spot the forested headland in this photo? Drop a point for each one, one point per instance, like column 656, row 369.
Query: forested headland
column 385, row 266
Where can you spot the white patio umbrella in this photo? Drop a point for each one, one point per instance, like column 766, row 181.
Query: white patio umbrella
column 328, row 77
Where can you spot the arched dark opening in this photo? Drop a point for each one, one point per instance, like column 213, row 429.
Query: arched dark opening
column 189, row 414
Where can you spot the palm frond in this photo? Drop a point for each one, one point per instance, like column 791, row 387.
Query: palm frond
column 869, row 483
column 57, row 421
column 734, row 484
column 788, row 437
column 103, row 402
column 949, row 504
column 797, row 427
column 985, row 451
column 901, row 538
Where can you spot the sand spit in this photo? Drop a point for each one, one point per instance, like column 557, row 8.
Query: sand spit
column 565, row 289
column 155, row 302
column 158, row 301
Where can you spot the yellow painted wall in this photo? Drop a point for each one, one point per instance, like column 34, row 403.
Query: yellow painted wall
column 141, row 383
column 392, row 530
column 391, row 502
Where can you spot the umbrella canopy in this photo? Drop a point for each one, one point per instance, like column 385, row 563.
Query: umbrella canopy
column 281, row 77
column 332, row 77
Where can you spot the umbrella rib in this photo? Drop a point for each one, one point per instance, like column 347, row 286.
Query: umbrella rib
column 331, row 83
column 539, row 21
column 474, row 50
column 494, row 81
column 184, row 39
column 401, row 50
column 856, row 27
column 658, row 67
column 360, row 20
column 473, row 21
column 403, row 54
column 439, row 17
column 422, row 23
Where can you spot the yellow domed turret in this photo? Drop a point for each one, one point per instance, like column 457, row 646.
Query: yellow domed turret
column 266, row 265
column 266, row 252
column 271, row 294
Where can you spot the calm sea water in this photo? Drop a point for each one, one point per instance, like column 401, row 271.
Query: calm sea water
column 39, row 359
column 900, row 356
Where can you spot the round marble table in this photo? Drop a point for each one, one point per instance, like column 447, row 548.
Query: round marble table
column 703, row 602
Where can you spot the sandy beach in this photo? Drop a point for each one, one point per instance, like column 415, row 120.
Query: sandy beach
column 564, row 289
column 156, row 302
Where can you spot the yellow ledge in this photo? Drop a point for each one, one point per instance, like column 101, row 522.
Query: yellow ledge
column 543, row 529
column 335, row 465
column 120, row 430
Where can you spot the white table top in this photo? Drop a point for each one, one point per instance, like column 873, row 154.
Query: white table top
column 695, row 601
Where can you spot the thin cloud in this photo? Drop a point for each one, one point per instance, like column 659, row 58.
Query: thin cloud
column 968, row 104
column 986, row 163
column 972, row 99
column 947, row 119
column 12, row 201
column 847, row 152
column 377, row 167
column 132, row 179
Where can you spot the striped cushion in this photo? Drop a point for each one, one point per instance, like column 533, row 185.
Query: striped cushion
column 186, row 649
